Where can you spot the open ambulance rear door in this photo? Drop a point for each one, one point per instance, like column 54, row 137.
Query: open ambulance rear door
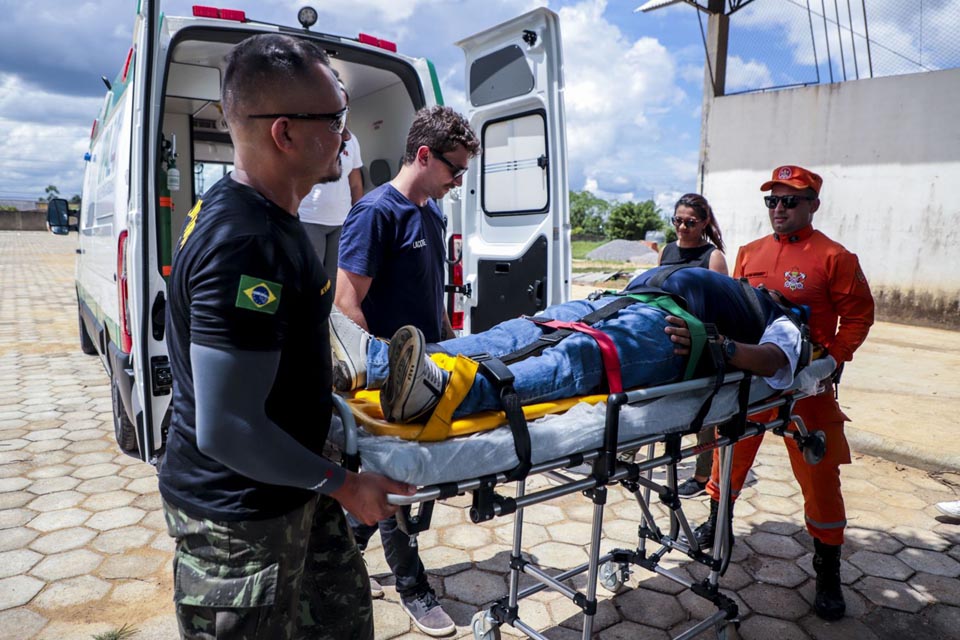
column 514, row 240
column 151, row 379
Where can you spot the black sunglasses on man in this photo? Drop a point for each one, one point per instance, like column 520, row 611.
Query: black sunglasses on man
column 454, row 169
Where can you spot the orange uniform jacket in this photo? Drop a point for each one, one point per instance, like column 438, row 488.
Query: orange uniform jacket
column 809, row 268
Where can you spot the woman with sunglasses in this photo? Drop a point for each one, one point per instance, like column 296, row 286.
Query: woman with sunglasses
column 698, row 243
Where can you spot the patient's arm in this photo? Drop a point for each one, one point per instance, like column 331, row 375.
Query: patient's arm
column 763, row 359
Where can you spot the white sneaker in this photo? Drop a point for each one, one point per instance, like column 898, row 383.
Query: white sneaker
column 414, row 384
column 349, row 342
column 951, row 509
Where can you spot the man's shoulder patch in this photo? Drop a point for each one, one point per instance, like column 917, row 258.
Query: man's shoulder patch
column 258, row 294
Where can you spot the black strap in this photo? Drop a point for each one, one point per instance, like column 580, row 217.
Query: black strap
column 551, row 336
column 494, row 370
column 719, row 364
column 665, row 272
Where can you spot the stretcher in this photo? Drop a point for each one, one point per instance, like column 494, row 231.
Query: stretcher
column 596, row 431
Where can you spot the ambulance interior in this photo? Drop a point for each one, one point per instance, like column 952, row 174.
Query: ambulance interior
column 384, row 95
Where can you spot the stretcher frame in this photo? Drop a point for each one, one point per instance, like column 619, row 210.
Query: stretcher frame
column 612, row 569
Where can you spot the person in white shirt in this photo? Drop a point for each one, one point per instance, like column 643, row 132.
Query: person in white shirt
column 324, row 209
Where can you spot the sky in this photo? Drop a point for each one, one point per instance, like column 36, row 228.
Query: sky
column 633, row 80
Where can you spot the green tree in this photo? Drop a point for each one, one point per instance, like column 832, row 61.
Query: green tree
column 632, row 220
column 587, row 214
column 75, row 199
column 52, row 192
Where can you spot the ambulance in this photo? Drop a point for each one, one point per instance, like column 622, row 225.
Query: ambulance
column 160, row 140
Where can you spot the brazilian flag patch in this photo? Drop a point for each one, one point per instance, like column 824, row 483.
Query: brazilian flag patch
column 257, row 294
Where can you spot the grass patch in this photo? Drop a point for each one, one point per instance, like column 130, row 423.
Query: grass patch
column 580, row 248
column 126, row 631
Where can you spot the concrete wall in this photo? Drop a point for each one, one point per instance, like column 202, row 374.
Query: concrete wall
column 889, row 153
column 23, row 221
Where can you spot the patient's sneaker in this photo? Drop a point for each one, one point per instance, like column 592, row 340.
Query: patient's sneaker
column 349, row 343
column 414, row 384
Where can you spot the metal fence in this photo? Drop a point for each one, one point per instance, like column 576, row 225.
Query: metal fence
column 782, row 43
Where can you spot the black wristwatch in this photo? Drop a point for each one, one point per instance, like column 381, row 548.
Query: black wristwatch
column 729, row 348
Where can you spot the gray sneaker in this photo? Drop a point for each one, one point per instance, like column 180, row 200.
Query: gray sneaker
column 348, row 342
column 429, row 616
column 414, row 384
column 376, row 590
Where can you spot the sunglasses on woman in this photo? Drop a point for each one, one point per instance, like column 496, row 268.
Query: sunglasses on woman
column 689, row 223
column 789, row 202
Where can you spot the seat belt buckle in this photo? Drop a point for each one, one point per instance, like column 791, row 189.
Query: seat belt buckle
column 494, row 370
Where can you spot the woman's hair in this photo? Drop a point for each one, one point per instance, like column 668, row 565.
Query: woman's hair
column 703, row 211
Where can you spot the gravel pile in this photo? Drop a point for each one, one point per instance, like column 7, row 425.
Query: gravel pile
column 624, row 251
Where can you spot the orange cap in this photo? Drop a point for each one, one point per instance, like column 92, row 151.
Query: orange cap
column 793, row 176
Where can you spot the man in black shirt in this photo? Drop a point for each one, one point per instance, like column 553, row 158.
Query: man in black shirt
column 263, row 549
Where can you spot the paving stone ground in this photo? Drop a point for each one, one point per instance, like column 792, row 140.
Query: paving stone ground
column 83, row 547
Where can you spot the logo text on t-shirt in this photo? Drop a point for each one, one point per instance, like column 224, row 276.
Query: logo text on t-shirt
column 420, row 244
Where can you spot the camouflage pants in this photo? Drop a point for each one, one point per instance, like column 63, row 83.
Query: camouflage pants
column 296, row 576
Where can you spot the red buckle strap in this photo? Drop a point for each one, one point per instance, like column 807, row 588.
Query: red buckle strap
column 608, row 351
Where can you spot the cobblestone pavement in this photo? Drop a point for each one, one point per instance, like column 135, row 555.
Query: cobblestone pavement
column 83, row 547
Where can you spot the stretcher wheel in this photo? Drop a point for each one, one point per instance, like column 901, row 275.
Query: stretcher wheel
column 815, row 447
column 484, row 627
column 611, row 576
column 729, row 631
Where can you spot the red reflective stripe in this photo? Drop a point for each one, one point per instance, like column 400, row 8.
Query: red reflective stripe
column 608, row 351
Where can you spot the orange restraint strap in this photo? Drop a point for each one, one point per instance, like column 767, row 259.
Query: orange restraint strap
column 608, row 351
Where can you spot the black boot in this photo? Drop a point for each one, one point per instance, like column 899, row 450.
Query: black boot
column 829, row 603
column 706, row 531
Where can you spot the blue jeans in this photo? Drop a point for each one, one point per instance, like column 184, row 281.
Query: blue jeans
column 403, row 560
column 570, row 368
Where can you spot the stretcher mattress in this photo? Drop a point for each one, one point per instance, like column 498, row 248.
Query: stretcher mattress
column 579, row 430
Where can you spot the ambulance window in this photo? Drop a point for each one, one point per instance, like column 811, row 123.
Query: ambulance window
column 513, row 167
column 206, row 174
column 500, row 75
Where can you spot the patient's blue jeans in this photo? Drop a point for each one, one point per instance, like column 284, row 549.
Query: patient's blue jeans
column 570, row 368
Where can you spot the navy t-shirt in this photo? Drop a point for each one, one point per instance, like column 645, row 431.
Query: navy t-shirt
column 246, row 277
column 717, row 298
column 400, row 245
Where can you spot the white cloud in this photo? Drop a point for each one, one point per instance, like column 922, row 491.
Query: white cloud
column 747, row 74
column 43, row 139
column 619, row 94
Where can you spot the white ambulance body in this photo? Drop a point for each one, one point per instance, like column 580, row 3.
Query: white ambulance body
column 160, row 141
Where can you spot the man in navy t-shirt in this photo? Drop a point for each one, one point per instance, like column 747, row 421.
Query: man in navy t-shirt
column 390, row 275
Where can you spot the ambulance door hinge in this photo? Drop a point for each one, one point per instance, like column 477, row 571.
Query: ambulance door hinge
column 465, row 289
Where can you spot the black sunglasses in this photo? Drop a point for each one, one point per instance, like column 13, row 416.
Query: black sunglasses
column 454, row 169
column 681, row 222
column 789, row 202
column 338, row 120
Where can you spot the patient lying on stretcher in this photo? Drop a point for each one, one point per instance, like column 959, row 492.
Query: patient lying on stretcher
column 639, row 341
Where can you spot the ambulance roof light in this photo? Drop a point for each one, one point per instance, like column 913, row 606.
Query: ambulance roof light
column 366, row 38
column 235, row 15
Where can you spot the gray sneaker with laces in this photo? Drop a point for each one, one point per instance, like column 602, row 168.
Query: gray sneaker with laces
column 414, row 384
column 427, row 613
column 349, row 342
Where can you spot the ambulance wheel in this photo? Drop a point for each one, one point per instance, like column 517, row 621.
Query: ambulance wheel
column 123, row 429
column 815, row 447
column 483, row 627
column 610, row 576
column 86, row 342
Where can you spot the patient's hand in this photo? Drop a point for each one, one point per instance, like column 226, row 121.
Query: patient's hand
column 679, row 335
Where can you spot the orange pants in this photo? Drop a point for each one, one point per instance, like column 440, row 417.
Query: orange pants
column 822, row 499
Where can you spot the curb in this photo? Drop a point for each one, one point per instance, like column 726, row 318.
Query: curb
column 896, row 451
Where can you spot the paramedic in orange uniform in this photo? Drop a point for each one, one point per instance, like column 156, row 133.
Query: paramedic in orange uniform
column 809, row 269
